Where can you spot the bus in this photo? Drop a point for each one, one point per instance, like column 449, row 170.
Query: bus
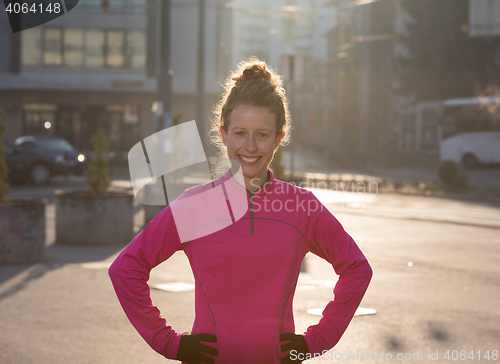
column 470, row 131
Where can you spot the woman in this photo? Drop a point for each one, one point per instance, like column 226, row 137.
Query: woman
column 246, row 273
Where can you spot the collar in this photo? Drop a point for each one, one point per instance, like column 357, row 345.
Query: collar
column 268, row 186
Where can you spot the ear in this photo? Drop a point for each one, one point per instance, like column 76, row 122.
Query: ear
column 278, row 140
column 224, row 135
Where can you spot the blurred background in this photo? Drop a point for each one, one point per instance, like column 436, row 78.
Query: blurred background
column 404, row 94
column 367, row 80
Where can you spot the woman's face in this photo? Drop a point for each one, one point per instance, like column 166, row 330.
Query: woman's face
column 251, row 140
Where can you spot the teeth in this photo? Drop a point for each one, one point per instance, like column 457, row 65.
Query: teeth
column 249, row 160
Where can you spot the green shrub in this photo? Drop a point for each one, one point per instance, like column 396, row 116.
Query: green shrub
column 98, row 173
column 4, row 170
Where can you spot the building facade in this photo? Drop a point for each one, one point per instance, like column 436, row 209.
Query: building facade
column 97, row 66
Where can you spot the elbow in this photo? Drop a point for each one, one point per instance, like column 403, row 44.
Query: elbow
column 367, row 272
column 113, row 270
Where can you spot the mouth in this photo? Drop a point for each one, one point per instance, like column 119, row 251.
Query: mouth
column 249, row 160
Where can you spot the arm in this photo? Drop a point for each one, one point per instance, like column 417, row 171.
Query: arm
column 326, row 238
column 129, row 274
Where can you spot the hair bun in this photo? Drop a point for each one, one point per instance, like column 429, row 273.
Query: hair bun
column 254, row 73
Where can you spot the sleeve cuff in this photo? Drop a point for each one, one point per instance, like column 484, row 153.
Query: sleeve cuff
column 311, row 343
column 172, row 347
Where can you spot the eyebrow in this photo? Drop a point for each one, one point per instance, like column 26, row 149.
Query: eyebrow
column 239, row 127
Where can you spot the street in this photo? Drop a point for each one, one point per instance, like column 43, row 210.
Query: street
column 434, row 288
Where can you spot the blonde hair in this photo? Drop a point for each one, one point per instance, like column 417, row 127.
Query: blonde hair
column 253, row 83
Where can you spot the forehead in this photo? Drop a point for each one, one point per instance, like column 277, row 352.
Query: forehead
column 252, row 117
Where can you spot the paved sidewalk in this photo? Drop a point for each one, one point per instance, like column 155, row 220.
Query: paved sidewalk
column 312, row 164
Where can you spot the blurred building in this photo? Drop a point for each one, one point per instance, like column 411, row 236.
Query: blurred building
column 362, row 126
column 97, row 64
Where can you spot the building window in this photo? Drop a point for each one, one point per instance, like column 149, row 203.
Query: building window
column 31, row 52
column 81, row 48
column 94, row 52
column 73, row 47
column 52, row 52
column 36, row 115
column 136, row 50
column 115, row 42
column 136, row 6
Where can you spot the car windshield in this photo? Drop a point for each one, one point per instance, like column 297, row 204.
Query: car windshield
column 55, row 144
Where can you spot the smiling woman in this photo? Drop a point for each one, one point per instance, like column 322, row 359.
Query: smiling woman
column 252, row 120
column 246, row 272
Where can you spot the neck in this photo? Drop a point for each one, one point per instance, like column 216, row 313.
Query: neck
column 253, row 184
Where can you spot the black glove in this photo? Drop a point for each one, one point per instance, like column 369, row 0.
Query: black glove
column 191, row 349
column 299, row 346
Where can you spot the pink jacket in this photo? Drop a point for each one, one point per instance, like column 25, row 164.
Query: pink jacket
column 245, row 275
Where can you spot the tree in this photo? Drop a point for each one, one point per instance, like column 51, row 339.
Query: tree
column 443, row 61
column 98, row 174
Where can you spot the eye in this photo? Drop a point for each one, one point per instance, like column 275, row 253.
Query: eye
column 262, row 135
column 239, row 133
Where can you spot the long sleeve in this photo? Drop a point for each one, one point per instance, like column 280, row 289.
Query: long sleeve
column 326, row 238
column 130, row 273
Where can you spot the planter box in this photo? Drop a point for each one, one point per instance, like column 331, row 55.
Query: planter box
column 83, row 218
column 22, row 231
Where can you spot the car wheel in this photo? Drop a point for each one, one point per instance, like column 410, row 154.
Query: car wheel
column 470, row 161
column 40, row 174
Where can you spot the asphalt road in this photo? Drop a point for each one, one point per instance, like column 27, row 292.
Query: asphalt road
column 434, row 289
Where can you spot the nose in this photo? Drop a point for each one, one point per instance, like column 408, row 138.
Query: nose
column 250, row 144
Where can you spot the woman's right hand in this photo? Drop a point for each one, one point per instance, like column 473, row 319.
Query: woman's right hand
column 191, row 349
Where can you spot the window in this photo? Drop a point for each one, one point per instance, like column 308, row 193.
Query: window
column 136, row 49
column 52, row 39
column 83, row 48
column 30, row 47
column 55, row 144
column 73, row 47
column 94, row 54
column 136, row 6
column 115, row 41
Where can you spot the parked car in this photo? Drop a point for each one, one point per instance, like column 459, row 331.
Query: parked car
column 37, row 165
column 75, row 160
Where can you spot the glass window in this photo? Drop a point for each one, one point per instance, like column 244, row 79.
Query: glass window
column 94, row 54
column 136, row 6
column 136, row 49
column 52, row 55
column 73, row 47
column 55, row 144
column 116, row 6
column 115, row 42
column 30, row 47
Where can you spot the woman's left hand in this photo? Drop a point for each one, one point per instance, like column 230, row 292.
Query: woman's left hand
column 297, row 346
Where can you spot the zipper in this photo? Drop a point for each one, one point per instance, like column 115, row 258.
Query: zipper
column 251, row 213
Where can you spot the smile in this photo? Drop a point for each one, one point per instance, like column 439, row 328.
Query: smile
column 248, row 160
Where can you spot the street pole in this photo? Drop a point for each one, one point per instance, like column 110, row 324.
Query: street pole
column 200, row 82
column 164, row 90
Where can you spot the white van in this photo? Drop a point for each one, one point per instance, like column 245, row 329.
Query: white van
column 471, row 131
